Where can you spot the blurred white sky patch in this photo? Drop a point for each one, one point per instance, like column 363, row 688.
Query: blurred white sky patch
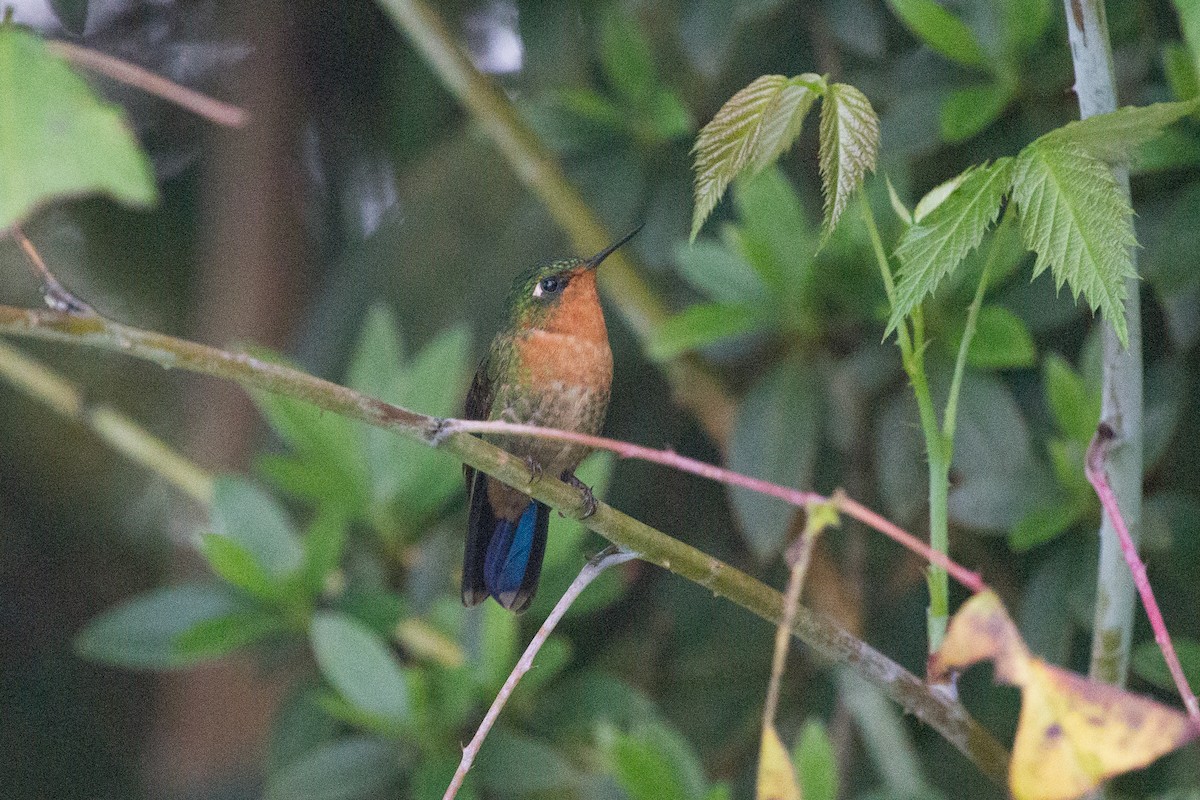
column 34, row 13
column 493, row 40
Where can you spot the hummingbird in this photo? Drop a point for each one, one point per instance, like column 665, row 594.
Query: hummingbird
column 550, row 365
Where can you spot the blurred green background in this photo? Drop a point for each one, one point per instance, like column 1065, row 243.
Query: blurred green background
column 361, row 184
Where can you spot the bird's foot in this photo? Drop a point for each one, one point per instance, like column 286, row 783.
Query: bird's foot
column 589, row 499
column 535, row 470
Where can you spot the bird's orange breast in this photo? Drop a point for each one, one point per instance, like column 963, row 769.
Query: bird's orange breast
column 570, row 347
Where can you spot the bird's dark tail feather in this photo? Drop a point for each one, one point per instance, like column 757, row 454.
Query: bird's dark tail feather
column 503, row 558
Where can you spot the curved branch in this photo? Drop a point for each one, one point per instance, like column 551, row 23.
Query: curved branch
column 949, row 718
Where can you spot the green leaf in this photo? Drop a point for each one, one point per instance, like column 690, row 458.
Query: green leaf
column 1002, row 341
column 719, row 272
column 142, row 633
column 699, row 326
column 379, row 355
column 1189, row 23
column 354, row 768
column 751, row 129
column 235, row 564
column 966, row 112
column 776, row 233
column 1150, row 666
column 654, row 763
column 815, row 763
column 324, row 542
column 626, row 57
column 300, row 725
column 775, row 438
column 886, row 738
column 1180, row 69
column 1074, row 216
column 520, row 766
column 849, row 145
column 72, row 14
column 360, row 665
column 933, row 247
column 1112, row 137
column 1024, row 23
column 941, row 31
column 252, row 518
column 1075, row 409
column 1043, row 524
column 57, row 139
column 217, row 637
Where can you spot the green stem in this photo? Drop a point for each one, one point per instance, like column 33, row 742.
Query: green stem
column 949, row 718
column 912, row 355
column 1121, row 392
column 695, row 388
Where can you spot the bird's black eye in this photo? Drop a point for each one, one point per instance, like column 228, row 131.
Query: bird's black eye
column 550, row 285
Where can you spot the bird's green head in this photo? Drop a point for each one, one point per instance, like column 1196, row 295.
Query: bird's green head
column 550, row 295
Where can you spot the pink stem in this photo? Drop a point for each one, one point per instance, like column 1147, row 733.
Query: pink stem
column 1096, row 475
column 670, row 458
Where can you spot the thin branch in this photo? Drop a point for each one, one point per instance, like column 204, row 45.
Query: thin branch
column 694, row 386
column 609, row 557
column 947, row 717
column 1096, row 476
column 1121, row 391
column 669, row 458
column 54, row 293
column 132, row 75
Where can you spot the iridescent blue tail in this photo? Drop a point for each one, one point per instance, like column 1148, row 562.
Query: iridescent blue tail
column 503, row 557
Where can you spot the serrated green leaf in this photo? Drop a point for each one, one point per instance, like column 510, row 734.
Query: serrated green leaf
column 942, row 31
column 902, row 211
column 1075, row 217
column 1150, row 666
column 719, row 272
column 360, row 666
column 753, row 124
column 252, row 518
column 57, row 139
column 235, row 564
column 930, row 249
column 699, row 326
column 966, row 112
column 1112, row 137
column 1002, row 341
column 815, row 762
column 937, row 195
column 1075, row 409
column 218, row 637
column 849, row 145
column 775, row 438
column 142, row 633
column 346, row 769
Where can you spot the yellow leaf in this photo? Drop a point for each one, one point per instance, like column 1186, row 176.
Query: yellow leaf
column 1073, row 732
column 776, row 776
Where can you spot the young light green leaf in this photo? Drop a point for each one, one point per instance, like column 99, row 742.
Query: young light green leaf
column 849, row 144
column 701, row 325
column 1002, row 341
column 57, row 139
column 941, row 30
column 1112, row 137
column 775, row 437
column 360, row 665
column 142, row 633
column 930, row 249
column 345, row 769
column 251, row 517
column 937, row 195
column 761, row 119
column 1074, row 216
column 898, row 206
column 815, row 763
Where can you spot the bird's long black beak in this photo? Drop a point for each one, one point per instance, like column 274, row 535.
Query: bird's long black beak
column 595, row 260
